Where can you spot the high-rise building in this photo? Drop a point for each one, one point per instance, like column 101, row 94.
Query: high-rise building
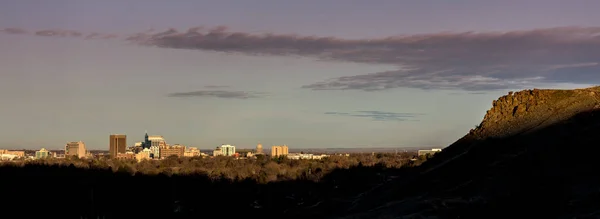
column 75, row 149
column 277, row 151
column 146, row 143
column 259, row 149
column 118, row 144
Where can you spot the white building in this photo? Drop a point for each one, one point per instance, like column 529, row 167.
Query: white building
column 228, row 150
column 143, row 155
column 7, row 156
column 297, row 156
column 217, row 152
column 426, row 152
column 155, row 152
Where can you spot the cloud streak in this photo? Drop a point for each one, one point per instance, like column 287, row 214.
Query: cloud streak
column 11, row 30
column 379, row 115
column 59, row 33
column 470, row 61
column 219, row 94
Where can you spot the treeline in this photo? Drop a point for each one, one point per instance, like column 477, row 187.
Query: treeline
column 219, row 187
column 263, row 169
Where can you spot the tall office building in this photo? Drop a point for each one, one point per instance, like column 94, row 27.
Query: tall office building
column 118, row 144
column 75, row 149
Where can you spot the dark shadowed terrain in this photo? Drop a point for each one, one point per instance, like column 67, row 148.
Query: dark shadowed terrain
column 535, row 155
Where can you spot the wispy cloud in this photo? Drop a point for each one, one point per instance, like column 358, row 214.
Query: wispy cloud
column 11, row 30
column 472, row 61
column 220, row 94
column 59, row 32
column 100, row 36
column 379, row 115
column 216, row 86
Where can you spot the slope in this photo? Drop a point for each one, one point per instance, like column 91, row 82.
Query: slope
column 533, row 155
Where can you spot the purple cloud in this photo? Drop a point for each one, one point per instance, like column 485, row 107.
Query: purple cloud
column 12, row 30
column 469, row 61
column 59, row 32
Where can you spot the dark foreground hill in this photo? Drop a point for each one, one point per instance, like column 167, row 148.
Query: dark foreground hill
column 535, row 155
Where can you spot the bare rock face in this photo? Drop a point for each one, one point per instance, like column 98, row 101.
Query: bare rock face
column 527, row 110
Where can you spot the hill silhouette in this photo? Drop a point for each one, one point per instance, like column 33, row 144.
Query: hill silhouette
column 535, row 155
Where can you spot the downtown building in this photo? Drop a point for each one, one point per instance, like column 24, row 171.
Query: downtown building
column 277, row 151
column 76, row 149
column 175, row 150
column 117, row 145
column 153, row 143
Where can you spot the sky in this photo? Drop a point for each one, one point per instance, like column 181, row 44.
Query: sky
column 308, row 74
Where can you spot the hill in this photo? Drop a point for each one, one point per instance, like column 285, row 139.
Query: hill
column 534, row 155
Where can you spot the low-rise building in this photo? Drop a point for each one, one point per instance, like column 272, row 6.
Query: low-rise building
column 126, row 156
column 175, row 150
column 143, row 155
column 42, row 154
column 7, row 156
column 192, row 152
column 16, row 153
column 299, row 156
column 428, row 152
column 217, row 152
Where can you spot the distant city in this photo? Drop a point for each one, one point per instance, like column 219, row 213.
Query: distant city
column 155, row 147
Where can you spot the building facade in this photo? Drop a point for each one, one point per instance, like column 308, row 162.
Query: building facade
column 154, row 152
column 125, row 156
column 277, row 151
column 175, row 150
column 42, row 154
column 143, row 155
column 228, row 150
column 156, row 140
column 217, row 152
column 16, row 153
column 75, row 149
column 118, row 144
column 191, row 152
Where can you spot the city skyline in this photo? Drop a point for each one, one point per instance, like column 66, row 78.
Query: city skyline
column 389, row 74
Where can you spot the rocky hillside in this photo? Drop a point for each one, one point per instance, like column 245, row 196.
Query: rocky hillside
column 535, row 155
column 532, row 109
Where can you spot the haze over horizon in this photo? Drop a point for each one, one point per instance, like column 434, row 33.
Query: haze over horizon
column 309, row 74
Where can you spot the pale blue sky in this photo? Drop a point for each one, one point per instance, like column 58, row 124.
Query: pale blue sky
column 60, row 89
